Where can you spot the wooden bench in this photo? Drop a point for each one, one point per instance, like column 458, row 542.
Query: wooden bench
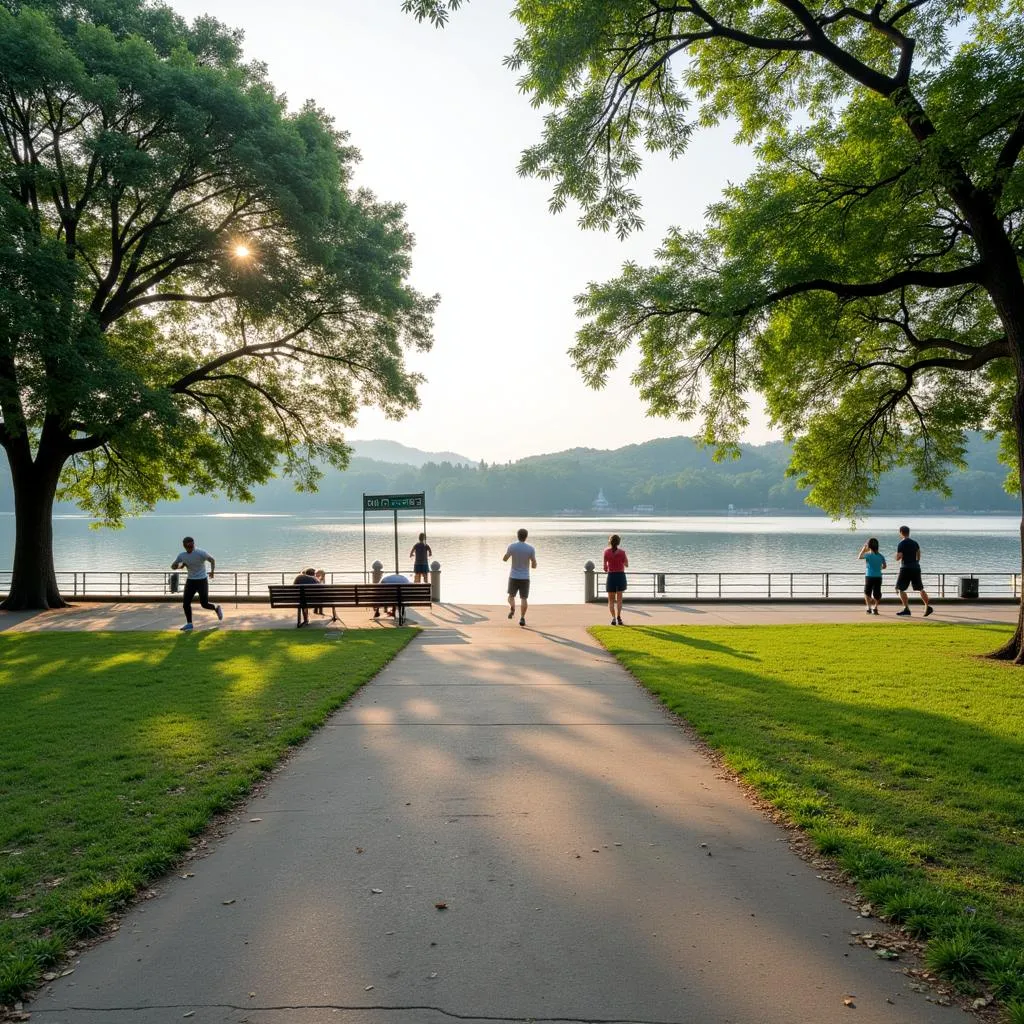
column 303, row 596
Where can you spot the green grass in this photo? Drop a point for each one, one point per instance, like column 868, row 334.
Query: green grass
column 116, row 749
column 897, row 748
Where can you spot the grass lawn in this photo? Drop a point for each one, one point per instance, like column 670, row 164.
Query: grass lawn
column 896, row 747
column 117, row 748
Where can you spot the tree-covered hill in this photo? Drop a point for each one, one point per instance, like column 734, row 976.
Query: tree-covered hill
column 673, row 474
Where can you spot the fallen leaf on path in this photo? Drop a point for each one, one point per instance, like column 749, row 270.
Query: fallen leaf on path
column 441, row 906
column 227, row 903
column 848, row 1001
column 255, row 819
column 377, row 892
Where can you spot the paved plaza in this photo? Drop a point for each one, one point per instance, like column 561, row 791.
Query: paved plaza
column 502, row 826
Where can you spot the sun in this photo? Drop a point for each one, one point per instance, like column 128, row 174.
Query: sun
column 242, row 251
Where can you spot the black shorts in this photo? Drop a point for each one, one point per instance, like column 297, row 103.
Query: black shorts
column 873, row 587
column 520, row 587
column 616, row 583
column 420, row 569
column 909, row 577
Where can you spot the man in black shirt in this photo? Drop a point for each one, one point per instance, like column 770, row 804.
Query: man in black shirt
column 908, row 554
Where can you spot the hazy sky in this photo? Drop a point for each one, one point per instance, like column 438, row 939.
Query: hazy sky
column 440, row 125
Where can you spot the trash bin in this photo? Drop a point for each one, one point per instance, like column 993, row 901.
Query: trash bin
column 968, row 586
column 172, row 583
column 659, row 583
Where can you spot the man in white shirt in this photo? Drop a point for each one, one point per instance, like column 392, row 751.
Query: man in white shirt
column 523, row 557
column 198, row 583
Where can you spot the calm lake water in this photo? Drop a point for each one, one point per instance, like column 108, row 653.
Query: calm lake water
column 470, row 548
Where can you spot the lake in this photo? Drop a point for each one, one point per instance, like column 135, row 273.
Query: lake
column 470, row 548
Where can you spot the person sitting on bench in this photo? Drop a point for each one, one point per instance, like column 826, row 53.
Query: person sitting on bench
column 395, row 577
column 302, row 614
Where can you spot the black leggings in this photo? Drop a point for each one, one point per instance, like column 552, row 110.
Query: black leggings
column 200, row 589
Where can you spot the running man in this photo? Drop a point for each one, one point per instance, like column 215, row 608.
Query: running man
column 523, row 556
column 198, row 583
column 908, row 554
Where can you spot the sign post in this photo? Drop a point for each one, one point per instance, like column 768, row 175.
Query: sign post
column 393, row 503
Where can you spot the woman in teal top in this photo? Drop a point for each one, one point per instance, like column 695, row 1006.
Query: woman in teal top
column 874, row 563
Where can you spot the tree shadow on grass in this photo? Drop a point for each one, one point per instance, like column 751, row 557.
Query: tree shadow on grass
column 699, row 643
column 942, row 789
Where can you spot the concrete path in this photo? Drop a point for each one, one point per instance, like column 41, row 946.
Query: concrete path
column 501, row 827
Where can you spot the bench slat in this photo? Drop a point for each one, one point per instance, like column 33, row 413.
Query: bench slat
column 297, row 595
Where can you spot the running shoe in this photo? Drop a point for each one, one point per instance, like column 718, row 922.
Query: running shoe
column 906, row 611
column 522, row 622
column 928, row 611
column 220, row 613
column 511, row 613
column 619, row 619
column 187, row 628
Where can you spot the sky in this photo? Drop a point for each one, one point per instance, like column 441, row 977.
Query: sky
column 440, row 125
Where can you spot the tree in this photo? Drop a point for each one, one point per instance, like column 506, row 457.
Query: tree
column 192, row 293
column 866, row 279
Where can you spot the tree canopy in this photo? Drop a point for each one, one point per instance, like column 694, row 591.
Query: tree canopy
column 192, row 290
column 866, row 277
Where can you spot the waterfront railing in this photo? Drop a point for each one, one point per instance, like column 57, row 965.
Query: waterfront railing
column 151, row 583
column 251, row 585
column 795, row 586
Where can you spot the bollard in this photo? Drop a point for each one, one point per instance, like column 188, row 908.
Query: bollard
column 589, row 583
column 435, row 582
column 378, row 571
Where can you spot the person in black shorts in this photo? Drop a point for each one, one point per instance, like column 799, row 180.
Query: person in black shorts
column 908, row 554
column 420, row 554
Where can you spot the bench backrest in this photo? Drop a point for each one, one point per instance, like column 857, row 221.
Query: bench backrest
column 318, row 594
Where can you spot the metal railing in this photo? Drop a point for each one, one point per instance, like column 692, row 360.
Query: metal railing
column 156, row 583
column 796, row 586
column 644, row 586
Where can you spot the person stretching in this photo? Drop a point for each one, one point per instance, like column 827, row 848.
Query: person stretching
column 874, row 563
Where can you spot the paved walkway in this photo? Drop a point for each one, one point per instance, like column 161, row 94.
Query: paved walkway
column 592, row 864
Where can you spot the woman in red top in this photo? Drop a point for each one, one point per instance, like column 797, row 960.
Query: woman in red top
column 615, row 563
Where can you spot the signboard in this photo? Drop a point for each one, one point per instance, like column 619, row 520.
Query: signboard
column 387, row 502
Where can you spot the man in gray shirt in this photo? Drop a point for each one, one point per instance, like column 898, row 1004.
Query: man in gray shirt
column 198, row 583
column 523, row 557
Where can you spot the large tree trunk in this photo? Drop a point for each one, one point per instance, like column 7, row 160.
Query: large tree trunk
column 34, row 582
column 1013, row 650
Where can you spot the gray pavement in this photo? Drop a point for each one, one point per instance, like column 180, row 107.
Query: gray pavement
column 592, row 863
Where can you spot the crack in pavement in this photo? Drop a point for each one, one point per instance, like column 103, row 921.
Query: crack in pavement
column 253, row 1008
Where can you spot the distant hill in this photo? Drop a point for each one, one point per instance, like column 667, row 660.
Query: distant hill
column 669, row 475
column 392, row 451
